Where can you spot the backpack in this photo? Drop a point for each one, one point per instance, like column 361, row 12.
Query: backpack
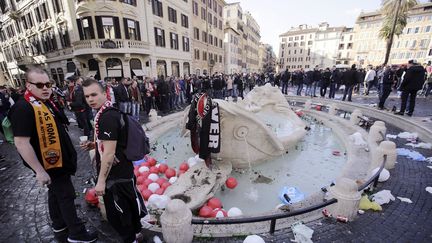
column 137, row 142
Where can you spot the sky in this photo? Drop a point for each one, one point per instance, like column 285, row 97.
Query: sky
column 275, row 17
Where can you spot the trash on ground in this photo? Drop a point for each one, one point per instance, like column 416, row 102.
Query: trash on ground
column 357, row 139
column 429, row 159
column 336, row 153
column 414, row 155
column 360, row 211
column 383, row 176
column 420, row 145
column 289, row 195
column 429, row 189
column 156, row 239
column 383, row 197
column 253, row 239
column 302, row 233
column 71, row 120
column 4, row 168
column 404, row 199
column 366, row 204
column 391, row 136
column 408, row 135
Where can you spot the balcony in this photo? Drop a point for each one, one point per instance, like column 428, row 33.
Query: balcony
column 84, row 47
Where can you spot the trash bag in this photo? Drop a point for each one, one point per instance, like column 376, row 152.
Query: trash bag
column 383, row 197
column 302, row 233
column 7, row 130
column 289, row 195
column 366, row 204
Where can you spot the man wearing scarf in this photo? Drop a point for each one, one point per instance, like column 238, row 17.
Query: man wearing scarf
column 45, row 147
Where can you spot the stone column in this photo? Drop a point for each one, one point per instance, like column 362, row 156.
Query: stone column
column 176, row 222
column 332, row 109
column 355, row 117
column 345, row 191
column 385, row 148
column 308, row 104
column 376, row 134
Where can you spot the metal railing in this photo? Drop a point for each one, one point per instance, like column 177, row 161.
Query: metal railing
column 375, row 177
column 272, row 217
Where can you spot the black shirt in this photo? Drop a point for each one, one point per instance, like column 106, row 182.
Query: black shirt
column 111, row 129
column 23, row 122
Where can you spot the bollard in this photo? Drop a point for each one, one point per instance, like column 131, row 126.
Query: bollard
column 346, row 192
column 385, row 148
column 176, row 222
column 355, row 117
column 332, row 109
column 376, row 134
column 308, row 104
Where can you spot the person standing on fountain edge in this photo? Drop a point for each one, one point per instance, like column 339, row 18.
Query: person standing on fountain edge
column 116, row 182
column 45, row 147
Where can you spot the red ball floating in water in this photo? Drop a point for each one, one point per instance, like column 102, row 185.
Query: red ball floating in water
column 231, row 182
column 165, row 185
column 159, row 191
column 205, row 212
column 299, row 113
column 154, row 169
column 140, row 180
column 145, row 174
column 151, row 161
column 318, row 107
column 161, row 181
column 163, row 168
column 147, row 182
column 141, row 187
column 170, row 172
column 214, row 203
column 146, row 193
column 184, row 166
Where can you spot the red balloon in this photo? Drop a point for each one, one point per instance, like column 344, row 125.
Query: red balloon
column 136, row 173
column 151, row 161
column 141, row 187
column 163, row 168
column 146, row 164
column 140, row 180
column 205, row 212
column 214, row 203
column 170, row 172
column 161, row 181
column 318, row 107
column 231, row 182
column 146, row 193
column 147, row 182
column 145, row 174
column 180, row 172
column 154, row 169
column 165, row 185
column 184, row 166
column 91, row 198
column 159, row 191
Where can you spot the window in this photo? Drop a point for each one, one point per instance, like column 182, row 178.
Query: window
column 108, row 27
column 196, row 33
column 220, row 43
column 215, row 42
column 185, row 44
column 58, row 6
column 310, row 43
column 209, row 2
column 427, row 29
column 131, row 2
column 204, row 36
column 220, row 24
column 290, row 38
column 203, row 13
column 204, row 56
column 220, row 58
column 210, row 17
column 85, row 28
column 228, row 13
column 184, row 21
column 159, row 37
column 350, row 46
column 341, row 46
column 172, row 15
column 174, row 41
column 416, row 30
column 424, row 43
column 132, row 30
column 215, row 21
column 195, row 8
column 197, row 54
column 64, row 36
column 157, row 8
column 210, row 39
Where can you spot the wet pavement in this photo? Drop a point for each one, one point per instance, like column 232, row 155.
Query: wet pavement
column 24, row 211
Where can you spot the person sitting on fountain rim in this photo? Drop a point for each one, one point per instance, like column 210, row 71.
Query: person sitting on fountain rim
column 116, row 181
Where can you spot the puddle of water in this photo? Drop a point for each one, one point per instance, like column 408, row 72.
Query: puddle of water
column 308, row 166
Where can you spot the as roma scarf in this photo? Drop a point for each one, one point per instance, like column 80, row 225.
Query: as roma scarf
column 49, row 139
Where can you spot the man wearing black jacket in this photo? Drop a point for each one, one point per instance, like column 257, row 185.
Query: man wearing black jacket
column 80, row 107
column 123, row 97
column 349, row 79
column 412, row 82
column 386, row 86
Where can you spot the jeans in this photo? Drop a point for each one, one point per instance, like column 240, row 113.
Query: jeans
column 384, row 94
column 323, row 91
column 125, row 107
column 348, row 91
column 332, row 91
column 315, row 85
column 218, row 94
column 404, row 98
column 299, row 88
column 308, row 90
column 135, row 110
column 428, row 89
column 235, row 91
column 285, row 87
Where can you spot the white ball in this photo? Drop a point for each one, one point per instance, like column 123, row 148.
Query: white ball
column 153, row 187
column 143, row 169
column 234, row 212
column 158, row 201
column 191, row 162
column 220, row 214
column 253, row 239
column 172, row 180
column 153, row 177
column 384, row 175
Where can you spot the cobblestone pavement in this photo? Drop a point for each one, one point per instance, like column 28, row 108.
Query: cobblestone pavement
column 24, row 212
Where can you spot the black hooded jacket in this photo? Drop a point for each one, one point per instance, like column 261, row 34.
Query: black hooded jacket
column 413, row 79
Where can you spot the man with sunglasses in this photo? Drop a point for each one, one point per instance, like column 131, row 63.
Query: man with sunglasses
column 45, row 147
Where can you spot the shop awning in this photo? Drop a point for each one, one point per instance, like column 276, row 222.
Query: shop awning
column 91, row 73
column 138, row 72
column 68, row 75
column 114, row 73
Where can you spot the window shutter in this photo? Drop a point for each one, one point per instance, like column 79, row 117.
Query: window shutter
column 91, row 28
column 163, row 38
column 117, row 28
column 80, row 29
column 99, row 27
column 156, row 36
column 126, row 29
column 138, row 30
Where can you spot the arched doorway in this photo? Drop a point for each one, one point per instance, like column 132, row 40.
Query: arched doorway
column 175, row 69
column 114, row 68
column 94, row 71
column 136, row 68
column 186, row 68
column 161, row 68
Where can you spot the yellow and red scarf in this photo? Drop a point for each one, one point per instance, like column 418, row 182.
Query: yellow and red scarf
column 49, row 139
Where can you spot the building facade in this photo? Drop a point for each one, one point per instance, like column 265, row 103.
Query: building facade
column 266, row 58
column 413, row 43
column 208, row 35
column 119, row 38
column 251, row 43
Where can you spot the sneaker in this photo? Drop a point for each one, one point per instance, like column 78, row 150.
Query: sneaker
column 59, row 230
column 399, row 113
column 86, row 237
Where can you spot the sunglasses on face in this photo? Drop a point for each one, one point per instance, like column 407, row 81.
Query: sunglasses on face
column 41, row 85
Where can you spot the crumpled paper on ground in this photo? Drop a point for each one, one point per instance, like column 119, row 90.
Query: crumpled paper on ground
column 404, row 199
column 366, row 204
column 357, row 139
column 302, row 233
column 414, row 155
column 429, row 189
column 408, row 135
column 383, row 197
column 420, row 145
column 391, row 136
column 253, row 239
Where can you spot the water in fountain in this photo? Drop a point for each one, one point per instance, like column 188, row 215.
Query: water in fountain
column 252, row 194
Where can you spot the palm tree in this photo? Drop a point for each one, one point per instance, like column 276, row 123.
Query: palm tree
column 395, row 13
